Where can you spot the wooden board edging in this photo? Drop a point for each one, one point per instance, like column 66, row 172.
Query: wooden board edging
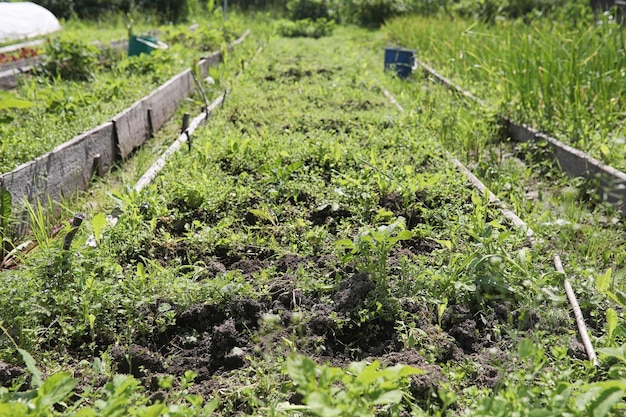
column 71, row 166
column 608, row 182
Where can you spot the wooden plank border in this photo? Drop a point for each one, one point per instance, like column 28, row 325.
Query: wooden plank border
column 71, row 166
column 131, row 128
column 607, row 182
column 164, row 101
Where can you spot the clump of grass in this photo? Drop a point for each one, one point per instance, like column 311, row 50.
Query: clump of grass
column 305, row 28
column 566, row 80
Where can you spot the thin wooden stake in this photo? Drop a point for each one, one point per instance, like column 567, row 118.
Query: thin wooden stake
column 76, row 222
column 185, row 124
column 150, row 124
column 160, row 163
column 183, row 129
column 578, row 315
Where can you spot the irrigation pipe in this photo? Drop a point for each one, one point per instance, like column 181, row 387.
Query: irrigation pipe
column 184, row 137
column 393, row 100
column 578, row 315
column 507, row 213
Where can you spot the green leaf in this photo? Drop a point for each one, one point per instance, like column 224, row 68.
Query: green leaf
column 295, row 166
column 5, row 208
column 476, row 200
column 605, row 150
column 402, row 371
column 32, row 368
column 611, row 322
column 262, row 214
column 404, row 235
column 369, row 374
column 322, row 405
column 618, row 296
column 607, row 399
column 13, row 409
column 617, row 353
column 540, row 413
column 444, row 243
column 154, row 410
column 55, row 389
column 210, row 406
column 300, row 369
column 603, row 281
column 98, row 223
column 345, row 243
column 86, row 412
column 527, row 348
column 10, row 101
column 389, row 397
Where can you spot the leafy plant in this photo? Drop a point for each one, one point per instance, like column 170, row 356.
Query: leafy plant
column 6, row 207
column 11, row 101
column 308, row 9
column 70, row 59
column 305, row 28
column 43, row 395
column 120, row 396
column 371, row 247
column 362, row 389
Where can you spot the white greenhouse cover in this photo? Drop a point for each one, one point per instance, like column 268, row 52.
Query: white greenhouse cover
column 25, row 20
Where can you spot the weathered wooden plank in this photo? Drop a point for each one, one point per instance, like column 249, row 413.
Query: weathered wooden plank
column 131, row 128
column 22, row 63
column 519, row 132
column 607, row 182
column 27, row 181
column 72, row 165
column 66, row 169
column 18, row 46
column 8, row 79
column 165, row 100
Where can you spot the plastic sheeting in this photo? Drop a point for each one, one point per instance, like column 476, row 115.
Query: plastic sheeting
column 25, row 20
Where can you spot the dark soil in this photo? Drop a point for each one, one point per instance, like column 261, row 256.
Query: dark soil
column 8, row 373
column 353, row 293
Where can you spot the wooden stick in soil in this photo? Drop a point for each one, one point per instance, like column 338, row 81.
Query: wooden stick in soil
column 509, row 214
column 578, row 315
column 160, row 163
column 76, row 222
column 185, row 123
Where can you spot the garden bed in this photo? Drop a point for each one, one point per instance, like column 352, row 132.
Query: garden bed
column 562, row 78
column 72, row 96
column 310, row 219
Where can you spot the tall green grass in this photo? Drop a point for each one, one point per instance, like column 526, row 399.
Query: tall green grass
column 568, row 80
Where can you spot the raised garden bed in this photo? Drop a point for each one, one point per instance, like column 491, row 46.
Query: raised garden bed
column 313, row 250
